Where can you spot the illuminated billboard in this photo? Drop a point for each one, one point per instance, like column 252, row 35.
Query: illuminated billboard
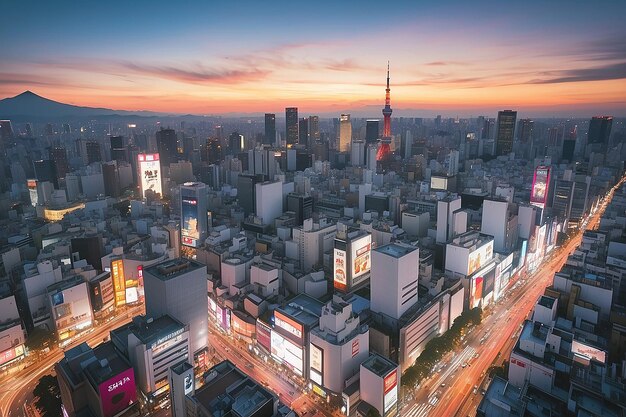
column 541, row 181
column 316, row 360
column 263, row 335
column 588, row 351
column 391, row 390
column 189, row 230
column 10, row 354
column 117, row 393
column 361, row 255
column 285, row 323
column 119, row 281
column 32, row 191
column 149, row 173
column 287, row 352
column 476, row 293
column 438, row 183
column 479, row 257
column 222, row 316
column 339, row 271
column 132, row 295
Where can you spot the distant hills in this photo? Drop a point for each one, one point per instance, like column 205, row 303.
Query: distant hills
column 30, row 106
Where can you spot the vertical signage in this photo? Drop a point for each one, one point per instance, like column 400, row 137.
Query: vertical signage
column 119, row 281
column 340, row 269
column 149, row 173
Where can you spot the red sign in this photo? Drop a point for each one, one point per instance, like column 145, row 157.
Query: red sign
column 263, row 335
column 9, row 355
column 391, row 381
column 518, row 363
column 355, row 347
column 117, row 393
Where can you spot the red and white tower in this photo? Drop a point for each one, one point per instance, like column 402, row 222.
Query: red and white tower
column 384, row 149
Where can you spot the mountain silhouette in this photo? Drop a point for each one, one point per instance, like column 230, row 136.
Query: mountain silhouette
column 29, row 105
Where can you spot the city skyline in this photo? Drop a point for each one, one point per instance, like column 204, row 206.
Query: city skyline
column 455, row 59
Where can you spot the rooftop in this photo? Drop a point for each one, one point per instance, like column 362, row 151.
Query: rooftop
column 170, row 269
column 547, row 302
column 502, row 399
column 147, row 330
column 395, row 250
column 379, row 365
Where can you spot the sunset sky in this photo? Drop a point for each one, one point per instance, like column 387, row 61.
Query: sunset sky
column 541, row 58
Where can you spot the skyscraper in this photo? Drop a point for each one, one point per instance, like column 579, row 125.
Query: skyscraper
column 505, row 131
column 270, row 129
column 525, row 131
column 118, row 150
column 314, row 129
column 193, row 213
column 45, row 170
column 371, row 131
column 93, row 152
column 167, row 146
column 345, row 132
column 303, row 131
column 384, row 149
column 599, row 133
column 291, row 130
column 59, row 156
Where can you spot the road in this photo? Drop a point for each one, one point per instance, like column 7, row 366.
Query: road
column 17, row 385
column 499, row 330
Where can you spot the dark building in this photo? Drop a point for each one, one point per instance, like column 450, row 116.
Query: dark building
column 6, row 132
column 525, row 131
column 291, row 123
column 270, row 129
column 599, row 133
column 303, row 132
column 45, row 170
column 167, row 145
column 246, row 192
column 89, row 248
column 300, row 204
column 94, row 154
column 111, row 179
column 304, row 160
column 213, row 151
column 372, row 131
column 187, row 147
column 377, row 203
column 235, row 144
column 59, row 156
column 505, row 131
column 118, row 149
column 66, row 128
column 320, row 150
column 569, row 145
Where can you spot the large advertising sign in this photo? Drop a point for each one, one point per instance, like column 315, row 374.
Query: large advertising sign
column 391, row 390
column 222, row 316
column 263, row 335
column 149, row 173
column 479, row 257
column 288, row 324
column 287, row 352
column 476, row 294
column 119, row 281
column 118, row 393
column 189, row 212
column 361, row 255
column 10, row 354
column 340, row 269
column 541, row 181
column 316, row 360
column 588, row 351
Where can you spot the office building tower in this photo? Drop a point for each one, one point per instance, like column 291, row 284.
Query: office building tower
column 213, row 151
column 303, row 132
column 380, row 385
column 118, row 149
column 110, row 176
column 357, row 153
column 406, row 145
column 270, row 129
column 525, row 131
column 372, row 130
column 394, row 279
column 89, row 248
column 384, row 150
column 301, row 205
column 178, row 288
column 291, row 125
column 569, row 146
column 93, row 151
column 599, row 133
column 246, row 190
column 504, row 132
column 167, row 146
column 345, row 133
column 193, row 214
column 352, row 259
column 6, row 130
column 498, row 222
column 448, row 210
column 268, row 197
column 182, row 383
column 235, row 143
column 59, row 156
column 45, row 170
column 314, row 129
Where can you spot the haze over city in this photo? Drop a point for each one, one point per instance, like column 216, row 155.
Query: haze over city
column 453, row 58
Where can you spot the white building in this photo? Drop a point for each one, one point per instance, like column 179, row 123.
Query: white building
column 269, row 200
column 11, row 332
column 380, row 384
column 70, row 306
column 345, row 133
column 394, row 279
column 36, row 280
column 265, row 279
column 499, row 222
column 310, row 241
column 446, row 210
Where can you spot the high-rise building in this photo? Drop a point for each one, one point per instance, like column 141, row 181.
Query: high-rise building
column 303, row 131
column 314, row 129
column 167, row 146
column 394, row 279
column 193, row 213
column 372, row 131
column 447, row 210
column 178, row 288
column 246, row 191
column 268, row 198
column 300, row 204
column 118, row 149
column 6, row 132
column 89, row 248
column 498, row 222
column 291, row 125
column 235, row 143
column 505, row 131
column 599, row 133
column 384, row 149
column 345, row 133
column 59, row 156
column 270, row 129
column 525, row 131
column 45, row 170
column 94, row 153
column 111, row 178
column 352, row 259
column 213, row 151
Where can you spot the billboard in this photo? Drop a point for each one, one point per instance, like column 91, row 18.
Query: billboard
column 222, row 316
column 438, row 183
column 355, row 347
column 479, row 257
column 339, row 271
column 316, row 360
column 290, row 325
column 588, row 351
column 10, row 354
column 189, row 230
column 541, row 181
column 132, row 295
column 361, row 253
column 287, row 352
column 391, row 390
column 119, row 281
column 263, row 335
column 149, row 173
column 476, row 293
column 32, row 191
column 118, row 393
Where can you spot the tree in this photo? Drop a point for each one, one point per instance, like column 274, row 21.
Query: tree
column 48, row 396
column 38, row 338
